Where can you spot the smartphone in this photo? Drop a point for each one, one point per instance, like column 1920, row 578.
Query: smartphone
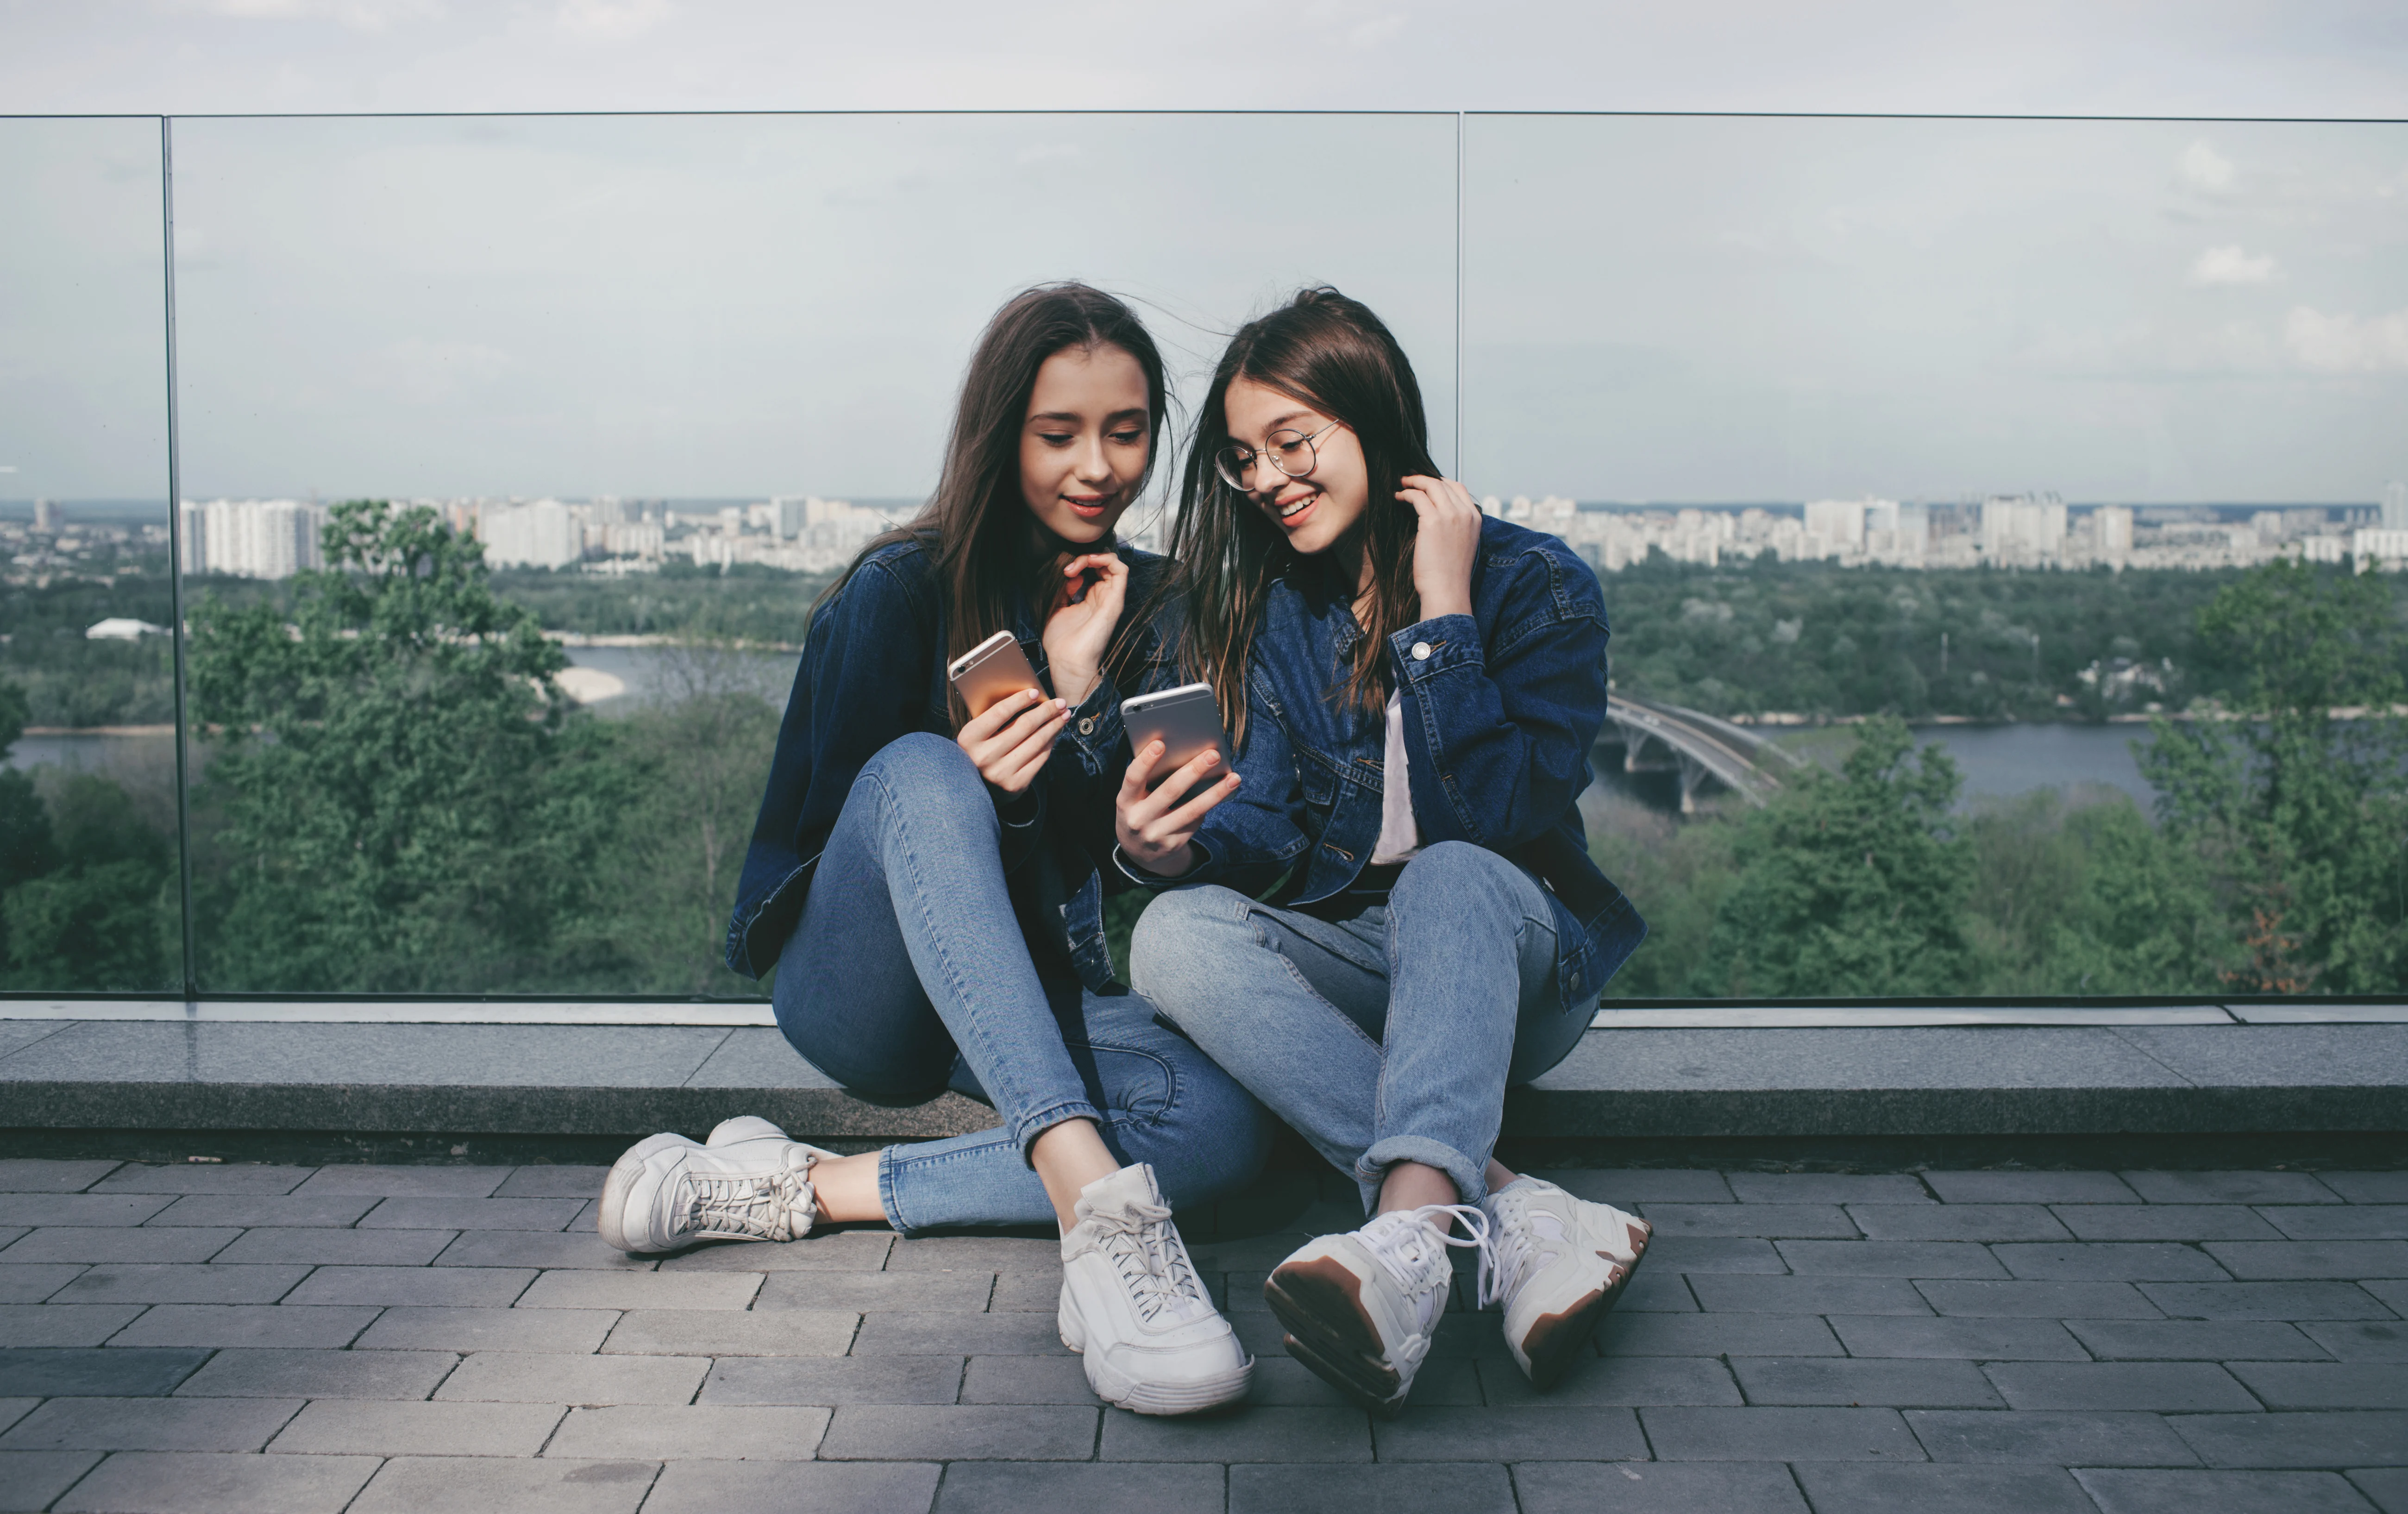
column 1186, row 721
column 991, row 672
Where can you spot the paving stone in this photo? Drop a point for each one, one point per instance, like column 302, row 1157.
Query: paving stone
column 2367, row 1341
column 1779, row 1435
column 2371, row 1438
column 2030, row 1188
column 1252, row 1435
column 2393, row 1292
column 407, row 1182
column 2027, row 1490
column 1827, row 1188
column 1059, row 1487
column 1531, row 1431
column 713, row 1431
column 821, row 1488
column 2368, row 1187
column 2230, row 1187
column 171, row 1482
column 537, row 1249
column 1807, row 1295
column 2105, row 1439
column 570, row 1331
column 2265, row 1301
column 2111, row 1261
column 2326, row 1385
column 29, row 1480
column 525, row 1378
column 392, row 1428
column 299, row 1326
column 2158, row 1387
column 1656, row 1293
column 959, row 1334
column 862, row 1293
column 98, row 1373
column 67, row 1324
column 1281, row 1382
column 2254, row 1260
column 80, row 1208
column 843, row 1250
column 204, row 1177
column 40, row 1174
column 181, row 1283
column 2387, row 1485
column 1960, row 1337
column 2168, row 1223
column 150, row 1424
column 2039, row 1300
column 31, row 1283
column 1745, row 1254
column 1715, row 1335
column 1062, row 1380
column 2331, row 1222
column 118, row 1242
column 460, row 1287
column 832, row 1381
column 961, row 1433
column 335, row 1247
column 578, row 1289
column 1877, row 1382
column 283, row 1373
column 1768, row 1219
column 734, row 1332
column 2176, row 1491
column 1615, row 1382
column 548, row 1182
column 1651, row 1487
column 981, row 1253
column 473, row 1214
column 1041, row 1292
column 1623, row 1187
column 2194, row 1340
column 1890, row 1259
column 14, row 1409
column 459, row 1484
column 283, row 1210
column 1957, row 1222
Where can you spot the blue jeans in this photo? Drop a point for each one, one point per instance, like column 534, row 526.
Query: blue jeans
column 1383, row 1031
column 908, row 973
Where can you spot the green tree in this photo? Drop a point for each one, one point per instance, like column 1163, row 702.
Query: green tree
column 27, row 847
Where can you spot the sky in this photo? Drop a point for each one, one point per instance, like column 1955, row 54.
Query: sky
column 1651, row 308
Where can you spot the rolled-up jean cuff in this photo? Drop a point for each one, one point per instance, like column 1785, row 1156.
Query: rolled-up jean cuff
column 1032, row 1126
column 1471, row 1177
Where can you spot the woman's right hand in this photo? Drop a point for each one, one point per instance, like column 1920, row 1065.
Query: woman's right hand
column 1149, row 827
column 1011, row 743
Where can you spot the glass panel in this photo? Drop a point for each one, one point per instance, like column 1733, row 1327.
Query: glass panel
column 88, row 798
column 1966, row 424
column 637, row 357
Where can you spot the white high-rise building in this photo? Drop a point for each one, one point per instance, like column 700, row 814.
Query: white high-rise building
column 546, row 534
column 2023, row 528
column 250, row 538
column 1836, row 528
column 2395, row 506
column 2113, row 525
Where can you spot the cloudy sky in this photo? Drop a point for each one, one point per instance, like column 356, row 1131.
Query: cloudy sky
column 1651, row 308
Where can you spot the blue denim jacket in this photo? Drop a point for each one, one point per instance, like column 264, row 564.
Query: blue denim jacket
column 873, row 669
column 1501, row 706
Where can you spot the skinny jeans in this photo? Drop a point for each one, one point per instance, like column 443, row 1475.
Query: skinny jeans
column 908, row 973
column 1383, row 1029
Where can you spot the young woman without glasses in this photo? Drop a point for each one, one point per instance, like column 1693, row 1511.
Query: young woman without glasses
column 1414, row 687
column 925, row 885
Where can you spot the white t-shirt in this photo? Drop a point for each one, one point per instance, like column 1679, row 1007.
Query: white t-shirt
column 1399, row 838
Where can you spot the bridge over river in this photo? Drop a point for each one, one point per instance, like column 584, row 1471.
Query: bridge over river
column 1666, row 738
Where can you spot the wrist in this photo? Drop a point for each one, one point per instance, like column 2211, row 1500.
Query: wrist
column 1074, row 680
column 1454, row 603
column 1170, row 864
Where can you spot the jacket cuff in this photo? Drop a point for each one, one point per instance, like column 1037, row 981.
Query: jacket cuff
column 1429, row 648
column 1204, row 864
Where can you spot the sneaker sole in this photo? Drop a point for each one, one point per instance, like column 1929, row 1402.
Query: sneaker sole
column 1151, row 1398
column 1320, row 1303
column 611, row 1217
column 1558, row 1342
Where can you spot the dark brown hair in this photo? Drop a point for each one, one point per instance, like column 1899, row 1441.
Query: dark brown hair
column 989, row 549
column 1332, row 354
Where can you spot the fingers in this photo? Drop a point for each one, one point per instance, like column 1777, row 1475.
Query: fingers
column 1140, row 768
column 1180, row 823
column 983, row 725
column 1016, row 767
column 1145, row 813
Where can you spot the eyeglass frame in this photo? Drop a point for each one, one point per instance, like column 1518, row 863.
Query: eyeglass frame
column 1256, row 454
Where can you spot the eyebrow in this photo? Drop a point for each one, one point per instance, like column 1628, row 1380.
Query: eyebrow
column 1074, row 418
column 1276, row 422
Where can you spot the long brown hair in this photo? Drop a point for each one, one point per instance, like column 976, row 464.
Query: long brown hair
column 988, row 547
column 1332, row 354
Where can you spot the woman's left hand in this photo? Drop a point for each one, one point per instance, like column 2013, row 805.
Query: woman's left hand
column 1446, row 544
column 1079, row 632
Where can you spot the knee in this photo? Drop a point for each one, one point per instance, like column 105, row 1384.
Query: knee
column 923, row 768
column 1177, row 935
column 1456, row 875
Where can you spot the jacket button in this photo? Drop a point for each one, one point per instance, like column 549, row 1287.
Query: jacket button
column 1086, row 724
column 1421, row 652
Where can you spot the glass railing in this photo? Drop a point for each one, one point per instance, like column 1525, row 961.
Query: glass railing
column 514, row 451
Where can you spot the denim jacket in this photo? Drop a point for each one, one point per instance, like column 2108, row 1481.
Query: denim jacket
column 1501, row 709
column 873, row 669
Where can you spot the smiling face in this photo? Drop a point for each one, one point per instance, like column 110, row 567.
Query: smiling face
column 1085, row 442
column 1318, row 510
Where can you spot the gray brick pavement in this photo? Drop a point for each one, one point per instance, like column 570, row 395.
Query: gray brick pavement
column 357, row 1339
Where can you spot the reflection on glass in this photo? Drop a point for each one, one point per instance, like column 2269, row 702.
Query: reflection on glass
column 2033, row 434
column 628, row 393
column 88, row 804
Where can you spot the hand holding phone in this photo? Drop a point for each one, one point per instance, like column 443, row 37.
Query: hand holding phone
column 991, row 672
column 1012, row 723
column 1171, row 786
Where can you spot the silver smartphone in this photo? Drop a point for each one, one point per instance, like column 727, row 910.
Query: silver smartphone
column 989, row 672
column 1186, row 721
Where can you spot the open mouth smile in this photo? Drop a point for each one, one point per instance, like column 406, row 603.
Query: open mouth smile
column 1293, row 508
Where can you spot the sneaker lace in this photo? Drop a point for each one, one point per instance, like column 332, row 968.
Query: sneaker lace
column 1411, row 1242
column 1511, row 1253
column 1152, row 1260
column 765, row 1206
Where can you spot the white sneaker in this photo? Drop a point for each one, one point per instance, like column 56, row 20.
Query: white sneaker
column 667, row 1192
column 753, row 1128
column 1557, row 1264
column 1134, row 1309
column 1361, row 1308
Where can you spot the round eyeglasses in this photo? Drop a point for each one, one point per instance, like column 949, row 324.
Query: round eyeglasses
column 1289, row 451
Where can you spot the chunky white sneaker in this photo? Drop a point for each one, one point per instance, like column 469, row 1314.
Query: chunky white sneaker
column 1557, row 1265
column 669, row 1192
column 1361, row 1308
column 748, row 1127
column 1134, row 1309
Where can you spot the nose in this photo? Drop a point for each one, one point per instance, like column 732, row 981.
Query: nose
column 1093, row 465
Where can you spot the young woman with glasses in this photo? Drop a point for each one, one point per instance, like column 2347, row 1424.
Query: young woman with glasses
column 924, row 883
column 1395, row 917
